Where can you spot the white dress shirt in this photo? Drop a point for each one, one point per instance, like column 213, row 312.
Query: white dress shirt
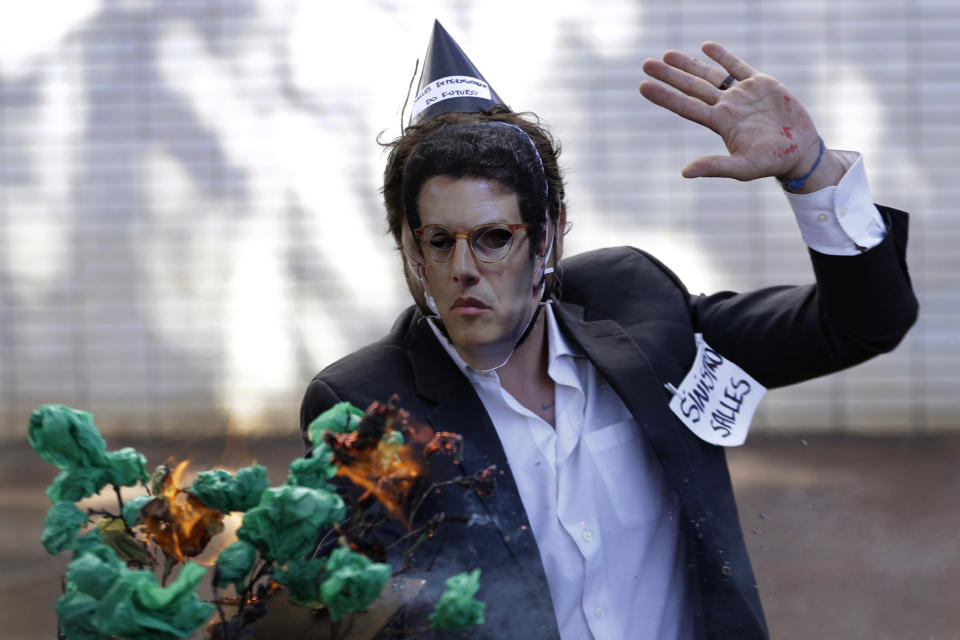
column 604, row 518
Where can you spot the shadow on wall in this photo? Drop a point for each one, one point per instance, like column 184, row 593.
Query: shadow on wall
column 189, row 216
column 164, row 271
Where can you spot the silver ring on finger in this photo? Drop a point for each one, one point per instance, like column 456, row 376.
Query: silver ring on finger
column 727, row 83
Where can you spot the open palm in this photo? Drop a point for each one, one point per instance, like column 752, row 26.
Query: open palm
column 764, row 127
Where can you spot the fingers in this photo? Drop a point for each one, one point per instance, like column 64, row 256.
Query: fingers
column 696, row 78
column 681, row 78
column 734, row 65
column 685, row 106
column 711, row 74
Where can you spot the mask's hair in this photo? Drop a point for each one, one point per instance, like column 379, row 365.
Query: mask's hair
column 489, row 150
column 495, row 153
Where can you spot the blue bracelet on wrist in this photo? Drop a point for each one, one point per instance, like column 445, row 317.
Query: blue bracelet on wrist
column 797, row 183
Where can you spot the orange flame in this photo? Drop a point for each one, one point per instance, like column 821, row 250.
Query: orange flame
column 374, row 455
column 386, row 471
column 177, row 522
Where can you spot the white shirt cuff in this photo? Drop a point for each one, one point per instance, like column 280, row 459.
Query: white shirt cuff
column 840, row 220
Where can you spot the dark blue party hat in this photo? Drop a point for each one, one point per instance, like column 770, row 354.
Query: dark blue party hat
column 449, row 82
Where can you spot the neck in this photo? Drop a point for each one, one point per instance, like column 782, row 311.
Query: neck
column 525, row 375
column 529, row 360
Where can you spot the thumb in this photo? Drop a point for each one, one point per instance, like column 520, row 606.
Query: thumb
column 720, row 167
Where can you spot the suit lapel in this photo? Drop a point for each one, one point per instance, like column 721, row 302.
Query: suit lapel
column 459, row 409
column 624, row 365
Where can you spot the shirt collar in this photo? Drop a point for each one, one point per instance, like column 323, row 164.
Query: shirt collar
column 557, row 345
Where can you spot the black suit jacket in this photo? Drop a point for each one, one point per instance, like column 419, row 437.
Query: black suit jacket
column 635, row 321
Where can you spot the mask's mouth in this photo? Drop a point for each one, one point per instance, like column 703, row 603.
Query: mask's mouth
column 469, row 303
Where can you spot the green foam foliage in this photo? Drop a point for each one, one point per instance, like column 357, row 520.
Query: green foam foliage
column 220, row 490
column 61, row 525
column 289, row 519
column 457, row 608
column 66, row 438
column 353, row 582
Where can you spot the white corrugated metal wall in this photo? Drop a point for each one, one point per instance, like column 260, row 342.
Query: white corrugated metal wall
column 189, row 218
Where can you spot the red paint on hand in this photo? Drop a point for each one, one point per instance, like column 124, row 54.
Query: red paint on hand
column 786, row 151
column 787, row 104
column 786, row 132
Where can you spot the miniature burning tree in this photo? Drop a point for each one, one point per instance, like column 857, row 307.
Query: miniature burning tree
column 112, row 588
column 104, row 596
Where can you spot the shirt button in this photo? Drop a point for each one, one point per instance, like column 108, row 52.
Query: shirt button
column 843, row 211
column 822, row 217
column 598, row 612
column 586, row 535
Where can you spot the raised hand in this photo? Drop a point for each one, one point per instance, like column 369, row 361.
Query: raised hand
column 765, row 128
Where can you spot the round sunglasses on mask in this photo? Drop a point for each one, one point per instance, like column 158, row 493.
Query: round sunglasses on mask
column 488, row 242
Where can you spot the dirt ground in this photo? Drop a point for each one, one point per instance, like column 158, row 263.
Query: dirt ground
column 850, row 537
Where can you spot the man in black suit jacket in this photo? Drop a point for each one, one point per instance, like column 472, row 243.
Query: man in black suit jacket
column 632, row 320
